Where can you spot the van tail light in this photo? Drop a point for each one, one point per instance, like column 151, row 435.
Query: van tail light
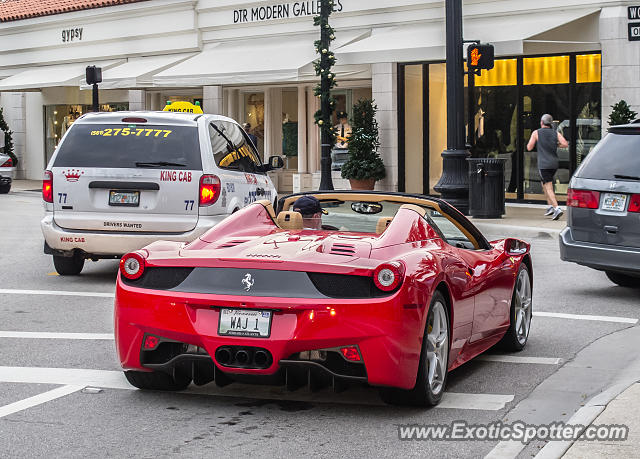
column 7, row 163
column 47, row 187
column 132, row 265
column 388, row 276
column 583, row 198
column 634, row 203
column 209, row 189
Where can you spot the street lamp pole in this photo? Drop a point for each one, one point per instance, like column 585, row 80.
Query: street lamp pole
column 453, row 185
column 326, row 83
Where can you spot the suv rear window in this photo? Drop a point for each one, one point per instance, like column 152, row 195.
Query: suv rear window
column 130, row 146
column 618, row 153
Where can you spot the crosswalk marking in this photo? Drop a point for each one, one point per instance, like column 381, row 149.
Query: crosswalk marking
column 51, row 335
column 562, row 315
column 520, row 359
column 38, row 399
column 108, row 379
column 9, row 291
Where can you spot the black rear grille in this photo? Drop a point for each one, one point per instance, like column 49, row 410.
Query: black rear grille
column 344, row 286
column 160, row 278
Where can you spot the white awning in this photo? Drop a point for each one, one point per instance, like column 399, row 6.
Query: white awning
column 265, row 60
column 422, row 42
column 137, row 71
column 48, row 76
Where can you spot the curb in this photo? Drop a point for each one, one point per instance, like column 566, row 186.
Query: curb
column 585, row 416
column 519, row 231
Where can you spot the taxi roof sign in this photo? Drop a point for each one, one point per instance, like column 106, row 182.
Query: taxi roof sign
column 183, row 107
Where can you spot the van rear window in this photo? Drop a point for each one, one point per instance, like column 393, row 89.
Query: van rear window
column 130, row 146
column 615, row 154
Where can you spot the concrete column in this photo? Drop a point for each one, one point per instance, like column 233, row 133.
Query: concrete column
column 620, row 62
column 137, row 99
column 313, row 139
column 232, row 104
column 302, row 130
column 272, row 122
column 212, row 99
column 34, row 161
column 384, row 92
column 156, row 101
column 13, row 105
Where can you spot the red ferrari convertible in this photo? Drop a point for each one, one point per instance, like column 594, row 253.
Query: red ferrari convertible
column 391, row 290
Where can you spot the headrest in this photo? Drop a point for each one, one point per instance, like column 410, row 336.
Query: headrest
column 383, row 223
column 290, row 220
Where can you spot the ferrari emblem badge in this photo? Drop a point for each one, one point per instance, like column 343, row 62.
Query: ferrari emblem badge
column 248, row 282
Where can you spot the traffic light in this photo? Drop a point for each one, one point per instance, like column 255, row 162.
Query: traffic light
column 480, row 56
column 93, row 74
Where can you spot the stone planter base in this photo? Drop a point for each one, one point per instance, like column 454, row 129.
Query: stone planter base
column 366, row 184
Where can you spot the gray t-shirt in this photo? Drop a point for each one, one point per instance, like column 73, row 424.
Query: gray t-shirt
column 547, row 147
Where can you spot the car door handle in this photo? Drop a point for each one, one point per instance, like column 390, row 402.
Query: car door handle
column 611, row 229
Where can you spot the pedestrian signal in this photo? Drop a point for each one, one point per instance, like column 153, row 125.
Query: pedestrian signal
column 480, row 56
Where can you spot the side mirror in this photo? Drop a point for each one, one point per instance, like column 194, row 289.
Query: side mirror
column 515, row 247
column 276, row 162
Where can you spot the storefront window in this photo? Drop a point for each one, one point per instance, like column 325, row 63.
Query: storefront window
column 58, row 119
column 290, row 127
column 507, row 104
column 254, row 115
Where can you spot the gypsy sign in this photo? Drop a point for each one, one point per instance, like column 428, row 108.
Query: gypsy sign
column 281, row 11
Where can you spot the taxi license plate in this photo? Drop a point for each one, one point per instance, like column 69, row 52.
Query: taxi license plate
column 615, row 202
column 243, row 322
column 124, row 198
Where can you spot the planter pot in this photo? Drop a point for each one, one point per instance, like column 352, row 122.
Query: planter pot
column 365, row 184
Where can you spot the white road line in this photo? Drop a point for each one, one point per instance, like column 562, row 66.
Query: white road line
column 115, row 380
column 520, row 359
column 561, row 315
column 55, row 293
column 49, row 335
column 38, row 399
column 507, row 449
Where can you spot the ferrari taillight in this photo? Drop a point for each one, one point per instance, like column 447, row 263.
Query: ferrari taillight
column 388, row 276
column 583, row 198
column 7, row 163
column 209, row 189
column 132, row 265
column 150, row 342
column 47, row 187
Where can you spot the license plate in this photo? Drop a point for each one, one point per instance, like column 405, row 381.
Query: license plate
column 614, row 202
column 124, row 198
column 243, row 322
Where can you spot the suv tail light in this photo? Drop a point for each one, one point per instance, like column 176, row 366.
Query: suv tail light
column 388, row 276
column 583, row 198
column 47, row 187
column 132, row 265
column 7, row 163
column 209, row 189
column 634, row 203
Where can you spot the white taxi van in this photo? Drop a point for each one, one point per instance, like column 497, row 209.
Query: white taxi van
column 119, row 181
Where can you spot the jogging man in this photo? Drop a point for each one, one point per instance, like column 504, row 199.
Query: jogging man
column 548, row 140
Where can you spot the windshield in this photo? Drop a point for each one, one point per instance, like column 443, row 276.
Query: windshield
column 364, row 217
column 616, row 154
column 130, row 146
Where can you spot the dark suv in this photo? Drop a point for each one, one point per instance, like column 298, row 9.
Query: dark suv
column 603, row 208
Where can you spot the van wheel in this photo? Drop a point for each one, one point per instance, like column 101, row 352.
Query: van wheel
column 4, row 189
column 623, row 280
column 157, row 380
column 68, row 266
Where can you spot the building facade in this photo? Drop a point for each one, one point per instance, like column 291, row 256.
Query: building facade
column 252, row 61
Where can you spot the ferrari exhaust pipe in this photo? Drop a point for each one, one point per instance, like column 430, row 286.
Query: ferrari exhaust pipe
column 260, row 359
column 223, row 355
column 242, row 357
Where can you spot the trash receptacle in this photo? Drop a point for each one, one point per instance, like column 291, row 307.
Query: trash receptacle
column 486, row 187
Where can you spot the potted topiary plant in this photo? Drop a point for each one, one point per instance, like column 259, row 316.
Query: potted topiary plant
column 621, row 114
column 364, row 166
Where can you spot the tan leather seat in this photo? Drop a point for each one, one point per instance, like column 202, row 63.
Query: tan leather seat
column 268, row 206
column 383, row 223
column 290, row 220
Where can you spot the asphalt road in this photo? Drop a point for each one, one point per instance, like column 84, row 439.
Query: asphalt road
column 86, row 408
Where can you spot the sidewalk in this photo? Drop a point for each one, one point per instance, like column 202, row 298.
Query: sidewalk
column 624, row 409
column 26, row 185
column 523, row 220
